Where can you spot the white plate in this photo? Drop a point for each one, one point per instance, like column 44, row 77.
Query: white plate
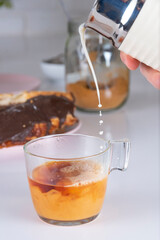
column 16, row 153
column 10, row 83
column 12, row 154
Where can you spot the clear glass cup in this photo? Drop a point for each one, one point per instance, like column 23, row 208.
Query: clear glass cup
column 68, row 175
column 112, row 74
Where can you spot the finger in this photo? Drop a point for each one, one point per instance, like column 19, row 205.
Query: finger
column 130, row 62
column 153, row 76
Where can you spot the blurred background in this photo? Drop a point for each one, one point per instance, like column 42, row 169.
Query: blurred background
column 34, row 30
column 35, row 17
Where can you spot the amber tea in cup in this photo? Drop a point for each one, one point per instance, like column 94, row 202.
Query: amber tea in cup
column 68, row 174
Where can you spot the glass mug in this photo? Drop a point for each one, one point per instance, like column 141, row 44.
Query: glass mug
column 68, row 174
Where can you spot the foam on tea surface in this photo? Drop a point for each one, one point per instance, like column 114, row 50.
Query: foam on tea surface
column 68, row 173
column 83, row 172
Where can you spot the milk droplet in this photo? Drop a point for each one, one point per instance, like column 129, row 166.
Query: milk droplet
column 100, row 122
column 100, row 132
column 100, row 113
column 99, row 105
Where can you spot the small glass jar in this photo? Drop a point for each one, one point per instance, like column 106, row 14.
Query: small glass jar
column 112, row 74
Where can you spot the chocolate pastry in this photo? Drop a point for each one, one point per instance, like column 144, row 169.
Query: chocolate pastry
column 29, row 115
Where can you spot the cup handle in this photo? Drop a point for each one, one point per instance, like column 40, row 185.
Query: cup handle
column 120, row 152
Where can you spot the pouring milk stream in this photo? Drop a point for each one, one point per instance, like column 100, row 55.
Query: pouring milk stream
column 83, row 42
column 121, row 21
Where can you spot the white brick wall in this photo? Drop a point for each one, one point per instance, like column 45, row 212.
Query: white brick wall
column 34, row 17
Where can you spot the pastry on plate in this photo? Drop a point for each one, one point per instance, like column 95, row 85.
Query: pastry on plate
column 28, row 115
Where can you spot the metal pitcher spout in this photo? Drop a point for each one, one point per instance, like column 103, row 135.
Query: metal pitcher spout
column 113, row 19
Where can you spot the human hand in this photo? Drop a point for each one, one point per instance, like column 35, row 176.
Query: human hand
column 152, row 75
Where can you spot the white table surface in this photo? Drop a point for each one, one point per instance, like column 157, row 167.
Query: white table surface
column 131, row 209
